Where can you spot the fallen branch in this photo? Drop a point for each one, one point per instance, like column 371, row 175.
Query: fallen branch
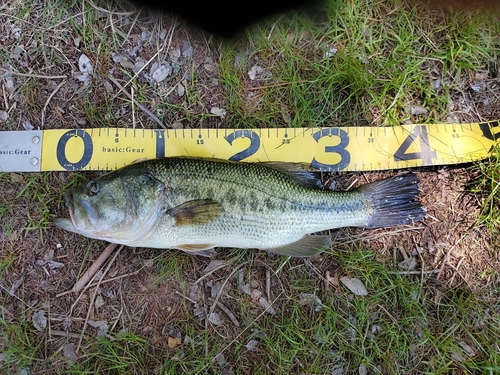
column 72, row 335
column 31, row 75
column 227, row 312
column 80, row 284
column 48, row 101
column 103, row 282
column 94, row 294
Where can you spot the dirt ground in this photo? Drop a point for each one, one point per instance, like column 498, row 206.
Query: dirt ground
column 447, row 248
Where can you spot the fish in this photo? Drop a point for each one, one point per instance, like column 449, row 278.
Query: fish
column 198, row 204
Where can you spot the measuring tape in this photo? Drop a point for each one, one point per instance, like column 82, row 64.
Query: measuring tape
column 324, row 149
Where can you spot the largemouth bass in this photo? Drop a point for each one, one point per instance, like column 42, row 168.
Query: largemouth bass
column 195, row 204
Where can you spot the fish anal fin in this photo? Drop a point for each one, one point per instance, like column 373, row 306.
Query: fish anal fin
column 307, row 246
column 199, row 211
column 198, row 249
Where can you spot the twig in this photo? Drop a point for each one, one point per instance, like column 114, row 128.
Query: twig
column 94, row 267
column 220, row 266
column 133, row 106
column 32, row 75
column 227, row 312
column 135, row 75
column 92, row 300
column 6, row 311
column 388, row 313
column 275, row 85
column 447, row 255
column 268, row 283
column 102, row 282
column 73, row 335
column 144, row 109
column 413, row 272
column 186, row 297
column 48, row 100
column 242, row 332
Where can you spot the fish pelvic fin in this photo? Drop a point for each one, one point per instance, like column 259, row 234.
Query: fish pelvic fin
column 393, row 201
column 199, row 211
column 307, row 246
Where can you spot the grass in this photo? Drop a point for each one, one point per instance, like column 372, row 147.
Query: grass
column 363, row 63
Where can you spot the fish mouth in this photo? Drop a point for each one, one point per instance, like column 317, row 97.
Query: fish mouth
column 68, row 196
column 64, row 222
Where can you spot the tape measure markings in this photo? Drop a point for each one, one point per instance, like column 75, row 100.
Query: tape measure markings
column 326, row 149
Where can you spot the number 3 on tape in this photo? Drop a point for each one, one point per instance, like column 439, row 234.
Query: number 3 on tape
column 426, row 154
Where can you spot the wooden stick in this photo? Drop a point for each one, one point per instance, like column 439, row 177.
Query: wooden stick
column 73, row 335
column 228, row 312
column 94, row 294
column 80, row 284
column 48, row 101
column 31, row 75
column 103, row 282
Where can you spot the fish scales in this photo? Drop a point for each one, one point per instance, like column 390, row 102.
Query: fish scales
column 195, row 204
column 261, row 206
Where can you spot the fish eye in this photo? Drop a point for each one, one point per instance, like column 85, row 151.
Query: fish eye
column 92, row 188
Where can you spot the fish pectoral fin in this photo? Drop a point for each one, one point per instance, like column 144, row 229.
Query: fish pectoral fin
column 307, row 246
column 199, row 211
column 198, row 249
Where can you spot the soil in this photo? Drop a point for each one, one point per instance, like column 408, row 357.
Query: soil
column 448, row 247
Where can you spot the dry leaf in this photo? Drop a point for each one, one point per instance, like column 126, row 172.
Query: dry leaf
column 311, row 300
column 85, row 65
column 221, row 112
column 180, row 90
column 99, row 301
column 355, row 285
column 69, row 352
column 255, row 71
column 252, row 345
column 266, row 305
column 16, row 178
column 39, row 320
column 214, row 318
column 174, row 342
column 161, row 73
column 214, row 264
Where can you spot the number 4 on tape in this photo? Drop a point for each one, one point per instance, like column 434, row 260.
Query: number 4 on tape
column 418, row 135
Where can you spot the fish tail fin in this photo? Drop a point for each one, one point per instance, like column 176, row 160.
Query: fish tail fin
column 393, row 202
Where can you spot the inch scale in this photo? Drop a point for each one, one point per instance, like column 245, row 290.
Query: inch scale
column 324, row 149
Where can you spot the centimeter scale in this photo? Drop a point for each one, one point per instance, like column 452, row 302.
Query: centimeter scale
column 323, row 149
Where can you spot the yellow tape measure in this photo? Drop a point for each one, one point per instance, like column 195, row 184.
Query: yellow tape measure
column 325, row 149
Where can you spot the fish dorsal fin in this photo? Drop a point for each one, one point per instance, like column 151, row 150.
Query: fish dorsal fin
column 198, row 249
column 307, row 246
column 298, row 172
column 199, row 211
